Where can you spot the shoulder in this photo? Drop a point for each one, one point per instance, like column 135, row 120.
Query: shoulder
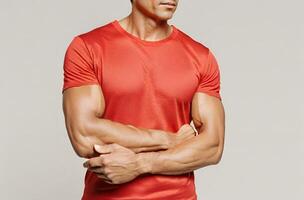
column 193, row 44
column 93, row 40
column 97, row 34
column 201, row 54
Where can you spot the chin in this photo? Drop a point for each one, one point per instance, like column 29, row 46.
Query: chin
column 164, row 16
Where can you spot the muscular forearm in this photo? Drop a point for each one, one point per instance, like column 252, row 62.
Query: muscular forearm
column 137, row 139
column 192, row 154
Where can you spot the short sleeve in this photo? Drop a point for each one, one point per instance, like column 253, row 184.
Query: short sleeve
column 210, row 82
column 78, row 65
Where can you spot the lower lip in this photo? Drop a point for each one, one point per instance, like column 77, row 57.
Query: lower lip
column 168, row 5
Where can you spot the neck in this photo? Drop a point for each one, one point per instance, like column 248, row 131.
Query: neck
column 144, row 27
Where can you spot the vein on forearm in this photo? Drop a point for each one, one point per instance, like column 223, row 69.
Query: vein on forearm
column 135, row 138
column 197, row 152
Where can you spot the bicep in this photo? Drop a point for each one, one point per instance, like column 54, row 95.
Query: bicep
column 81, row 105
column 208, row 116
column 207, row 109
column 82, row 95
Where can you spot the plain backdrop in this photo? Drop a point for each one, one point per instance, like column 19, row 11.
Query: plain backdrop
column 258, row 44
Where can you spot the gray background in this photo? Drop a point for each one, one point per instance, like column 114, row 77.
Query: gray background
column 258, row 45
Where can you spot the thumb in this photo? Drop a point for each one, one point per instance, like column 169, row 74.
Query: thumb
column 103, row 148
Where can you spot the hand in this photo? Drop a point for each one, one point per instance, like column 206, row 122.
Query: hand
column 115, row 165
column 185, row 132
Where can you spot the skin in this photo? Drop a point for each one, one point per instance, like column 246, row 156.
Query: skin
column 118, row 153
column 83, row 107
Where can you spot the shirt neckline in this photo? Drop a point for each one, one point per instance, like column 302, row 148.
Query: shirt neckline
column 118, row 27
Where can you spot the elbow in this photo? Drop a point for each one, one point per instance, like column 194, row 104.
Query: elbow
column 216, row 160
column 217, row 156
column 83, row 151
column 82, row 143
column 85, row 154
column 82, row 147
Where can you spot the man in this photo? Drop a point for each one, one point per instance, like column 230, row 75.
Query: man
column 131, row 89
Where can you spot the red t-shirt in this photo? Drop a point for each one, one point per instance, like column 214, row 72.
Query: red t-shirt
column 147, row 84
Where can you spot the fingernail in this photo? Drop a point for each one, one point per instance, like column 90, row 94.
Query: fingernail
column 97, row 147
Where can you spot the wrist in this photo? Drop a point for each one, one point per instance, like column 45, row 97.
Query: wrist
column 146, row 161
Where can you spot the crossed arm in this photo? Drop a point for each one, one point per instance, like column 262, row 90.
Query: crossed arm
column 83, row 109
column 205, row 149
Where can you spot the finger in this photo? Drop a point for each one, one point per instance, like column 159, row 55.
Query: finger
column 94, row 162
column 103, row 148
column 104, row 177
column 108, row 181
column 98, row 170
column 86, row 164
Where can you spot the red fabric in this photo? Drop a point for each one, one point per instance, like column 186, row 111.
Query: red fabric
column 147, row 84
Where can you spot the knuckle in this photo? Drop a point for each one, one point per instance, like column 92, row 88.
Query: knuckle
column 105, row 161
column 90, row 163
column 107, row 170
column 112, row 179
